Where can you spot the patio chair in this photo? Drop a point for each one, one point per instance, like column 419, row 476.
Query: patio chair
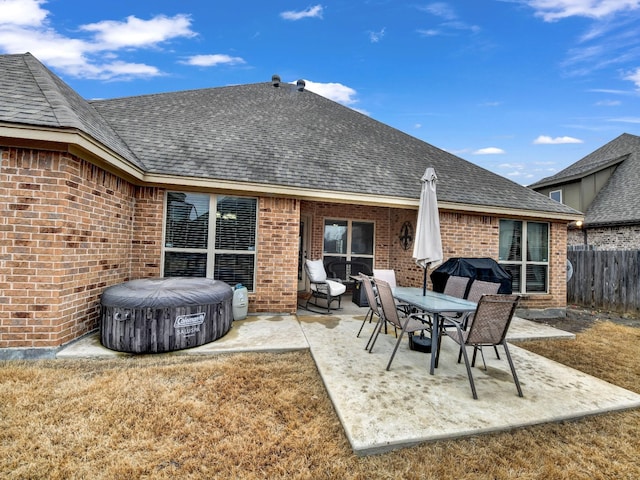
column 321, row 287
column 371, row 299
column 389, row 313
column 456, row 286
column 476, row 291
column 374, row 309
column 489, row 328
column 389, row 276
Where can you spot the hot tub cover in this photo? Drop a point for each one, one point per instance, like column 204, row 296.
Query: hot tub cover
column 166, row 292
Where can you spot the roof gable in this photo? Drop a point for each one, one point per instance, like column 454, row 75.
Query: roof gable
column 617, row 201
column 31, row 94
column 613, row 152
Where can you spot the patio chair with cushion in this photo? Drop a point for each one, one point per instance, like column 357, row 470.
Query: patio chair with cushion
column 389, row 313
column 321, row 287
column 488, row 328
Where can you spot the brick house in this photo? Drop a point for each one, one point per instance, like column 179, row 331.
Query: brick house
column 94, row 193
column 604, row 185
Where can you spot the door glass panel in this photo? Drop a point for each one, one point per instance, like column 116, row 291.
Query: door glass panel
column 335, row 236
column 362, row 238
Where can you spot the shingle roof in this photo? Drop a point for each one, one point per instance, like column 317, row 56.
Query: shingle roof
column 31, row 94
column 282, row 136
column 618, row 200
column 263, row 134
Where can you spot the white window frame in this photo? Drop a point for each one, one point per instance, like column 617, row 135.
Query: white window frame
column 347, row 256
column 559, row 192
column 210, row 251
column 524, row 262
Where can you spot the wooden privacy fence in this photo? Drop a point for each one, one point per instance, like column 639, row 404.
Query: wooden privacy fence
column 605, row 279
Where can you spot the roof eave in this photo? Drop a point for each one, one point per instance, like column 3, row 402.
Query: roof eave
column 82, row 145
column 572, row 178
column 332, row 196
column 73, row 141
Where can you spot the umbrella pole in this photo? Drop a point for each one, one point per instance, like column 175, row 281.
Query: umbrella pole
column 424, row 283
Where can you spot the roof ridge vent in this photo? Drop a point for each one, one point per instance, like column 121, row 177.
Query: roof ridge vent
column 301, row 84
column 275, row 80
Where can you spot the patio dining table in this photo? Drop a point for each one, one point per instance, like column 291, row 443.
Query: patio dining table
column 436, row 304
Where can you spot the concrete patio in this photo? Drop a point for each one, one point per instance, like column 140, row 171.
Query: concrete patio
column 383, row 410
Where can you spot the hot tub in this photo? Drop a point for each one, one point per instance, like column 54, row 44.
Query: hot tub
column 165, row 314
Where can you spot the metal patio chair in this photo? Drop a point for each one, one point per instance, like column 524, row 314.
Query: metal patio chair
column 321, row 287
column 488, row 328
column 390, row 313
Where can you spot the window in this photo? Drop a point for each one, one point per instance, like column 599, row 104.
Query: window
column 556, row 195
column 348, row 240
column 195, row 246
column 524, row 253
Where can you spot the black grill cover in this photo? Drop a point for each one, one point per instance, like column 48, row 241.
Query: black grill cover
column 485, row 269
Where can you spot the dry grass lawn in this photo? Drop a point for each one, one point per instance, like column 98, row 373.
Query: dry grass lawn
column 257, row 416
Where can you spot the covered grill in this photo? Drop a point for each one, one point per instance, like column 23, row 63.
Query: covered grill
column 485, row 269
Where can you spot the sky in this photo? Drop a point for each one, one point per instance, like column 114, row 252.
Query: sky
column 523, row 88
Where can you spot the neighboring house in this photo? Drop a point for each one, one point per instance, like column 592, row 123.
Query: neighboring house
column 237, row 183
column 604, row 185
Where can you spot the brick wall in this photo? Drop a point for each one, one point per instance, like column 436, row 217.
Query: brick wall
column 277, row 251
column 463, row 235
column 607, row 238
column 147, row 232
column 69, row 229
column 65, row 234
column 381, row 216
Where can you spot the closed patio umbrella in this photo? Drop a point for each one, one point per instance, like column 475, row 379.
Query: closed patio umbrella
column 427, row 248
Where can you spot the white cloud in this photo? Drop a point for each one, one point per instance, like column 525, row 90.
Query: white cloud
column 126, row 70
column 135, row 32
column 634, row 77
column 517, row 166
column 333, row 91
column 552, row 10
column 213, row 60
column 24, row 27
column 450, row 17
column 22, row 12
column 375, row 37
column 546, row 140
column 625, row 119
column 489, row 151
column 430, row 32
column 440, row 9
column 608, row 103
column 311, row 12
